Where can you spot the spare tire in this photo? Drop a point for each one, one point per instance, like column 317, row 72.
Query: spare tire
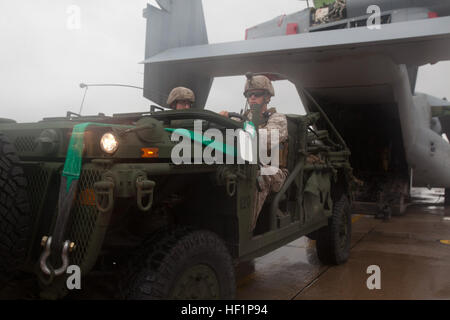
column 15, row 213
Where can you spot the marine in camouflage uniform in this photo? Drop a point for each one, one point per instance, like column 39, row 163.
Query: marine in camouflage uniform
column 271, row 183
column 259, row 90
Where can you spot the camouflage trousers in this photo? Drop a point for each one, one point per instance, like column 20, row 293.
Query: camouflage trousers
column 268, row 183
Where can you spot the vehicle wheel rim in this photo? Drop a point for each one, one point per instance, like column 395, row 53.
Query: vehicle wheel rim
column 197, row 282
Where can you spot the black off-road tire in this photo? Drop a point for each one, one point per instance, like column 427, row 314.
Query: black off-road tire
column 15, row 213
column 333, row 246
column 158, row 268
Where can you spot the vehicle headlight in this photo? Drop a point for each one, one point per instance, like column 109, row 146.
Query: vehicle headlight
column 109, row 143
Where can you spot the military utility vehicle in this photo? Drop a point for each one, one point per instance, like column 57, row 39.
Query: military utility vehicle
column 104, row 194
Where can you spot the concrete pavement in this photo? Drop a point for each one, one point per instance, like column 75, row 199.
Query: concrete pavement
column 412, row 252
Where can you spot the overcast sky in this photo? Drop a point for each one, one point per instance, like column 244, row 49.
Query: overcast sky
column 42, row 60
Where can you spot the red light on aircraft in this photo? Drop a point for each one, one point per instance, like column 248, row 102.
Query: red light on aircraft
column 292, row 28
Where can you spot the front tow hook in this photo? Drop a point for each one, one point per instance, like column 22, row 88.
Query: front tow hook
column 144, row 188
column 104, row 195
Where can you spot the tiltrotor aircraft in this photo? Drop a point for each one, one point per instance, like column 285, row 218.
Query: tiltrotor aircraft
column 358, row 59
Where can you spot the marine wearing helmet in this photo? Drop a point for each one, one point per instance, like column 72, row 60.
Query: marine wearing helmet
column 258, row 83
column 258, row 90
column 181, row 98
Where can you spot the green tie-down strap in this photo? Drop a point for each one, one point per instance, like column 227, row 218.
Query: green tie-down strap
column 195, row 136
column 72, row 166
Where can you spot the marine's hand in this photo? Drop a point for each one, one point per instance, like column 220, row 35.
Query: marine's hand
column 224, row 113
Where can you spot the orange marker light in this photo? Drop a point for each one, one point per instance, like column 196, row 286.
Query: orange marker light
column 150, row 153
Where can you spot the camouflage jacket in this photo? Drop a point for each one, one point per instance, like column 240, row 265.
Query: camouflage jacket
column 274, row 121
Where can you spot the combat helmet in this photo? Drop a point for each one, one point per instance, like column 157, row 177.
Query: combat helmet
column 181, row 93
column 258, row 82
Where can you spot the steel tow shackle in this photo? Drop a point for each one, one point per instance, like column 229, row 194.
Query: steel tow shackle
column 64, row 257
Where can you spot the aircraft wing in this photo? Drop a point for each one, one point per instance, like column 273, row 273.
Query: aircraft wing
column 413, row 43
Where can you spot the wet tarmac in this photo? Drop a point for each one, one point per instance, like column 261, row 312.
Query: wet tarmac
column 412, row 252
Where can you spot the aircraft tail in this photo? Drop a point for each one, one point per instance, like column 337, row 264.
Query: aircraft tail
column 179, row 23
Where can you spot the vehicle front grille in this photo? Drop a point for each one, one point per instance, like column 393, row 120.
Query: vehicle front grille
column 38, row 180
column 84, row 219
column 25, row 144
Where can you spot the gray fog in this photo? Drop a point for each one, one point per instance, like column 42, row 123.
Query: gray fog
column 45, row 55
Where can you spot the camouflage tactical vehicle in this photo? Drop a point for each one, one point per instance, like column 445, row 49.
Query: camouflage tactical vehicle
column 102, row 192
